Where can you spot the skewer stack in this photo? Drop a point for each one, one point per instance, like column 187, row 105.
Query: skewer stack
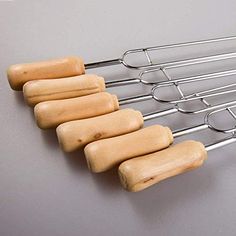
column 86, row 116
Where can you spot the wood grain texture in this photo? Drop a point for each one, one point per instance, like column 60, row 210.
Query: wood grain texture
column 50, row 114
column 19, row 74
column 76, row 134
column 139, row 173
column 53, row 89
column 104, row 154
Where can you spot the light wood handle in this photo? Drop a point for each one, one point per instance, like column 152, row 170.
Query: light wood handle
column 139, row 173
column 53, row 89
column 75, row 134
column 19, row 74
column 50, row 114
column 107, row 153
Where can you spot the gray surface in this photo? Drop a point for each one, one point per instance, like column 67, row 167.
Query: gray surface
column 46, row 192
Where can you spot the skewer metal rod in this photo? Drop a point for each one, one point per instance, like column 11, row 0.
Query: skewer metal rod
column 128, row 81
column 150, row 64
column 221, row 143
column 154, row 115
column 191, row 43
column 189, row 79
column 190, row 130
column 197, row 60
column 103, row 63
column 129, row 100
column 196, row 78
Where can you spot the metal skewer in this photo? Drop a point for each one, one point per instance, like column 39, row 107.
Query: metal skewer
column 19, row 74
column 151, row 64
column 145, row 169
column 207, row 123
column 141, row 172
column 221, row 143
column 54, row 107
column 200, row 95
column 169, row 65
column 98, row 154
column 55, row 89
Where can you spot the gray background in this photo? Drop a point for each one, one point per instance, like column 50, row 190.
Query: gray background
column 46, row 192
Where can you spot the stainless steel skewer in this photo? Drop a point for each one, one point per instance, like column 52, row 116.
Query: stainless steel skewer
column 46, row 112
column 141, row 172
column 128, row 120
column 175, row 64
column 200, row 95
column 151, row 64
column 207, row 123
column 44, row 89
column 104, row 154
column 19, row 74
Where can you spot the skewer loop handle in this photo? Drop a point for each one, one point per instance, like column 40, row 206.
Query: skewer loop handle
column 139, row 173
column 107, row 153
column 19, row 74
column 50, row 114
column 75, row 134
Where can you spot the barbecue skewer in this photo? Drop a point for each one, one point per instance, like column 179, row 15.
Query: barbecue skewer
column 71, row 131
column 141, row 172
column 84, row 130
column 104, row 154
column 54, row 89
column 19, row 74
column 92, row 129
column 50, row 114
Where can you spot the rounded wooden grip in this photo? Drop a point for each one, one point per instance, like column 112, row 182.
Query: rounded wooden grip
column 52, row 113
column 19, row 74
column 107, row 153
column 141, row 172
column 53, row 89
column 75, row 134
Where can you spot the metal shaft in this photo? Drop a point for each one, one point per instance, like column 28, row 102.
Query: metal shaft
column 128, row 81
column 155, row 48
column 221, row 143
column 129, row 100
column 150, row 63
column 181, row 132
column 154, row 115
column 103, row 63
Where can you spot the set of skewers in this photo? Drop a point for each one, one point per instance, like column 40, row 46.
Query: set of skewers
column 85, row 116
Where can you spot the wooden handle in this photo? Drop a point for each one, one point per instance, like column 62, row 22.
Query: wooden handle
column 75, row 134
column 107, row 153
column 52, row 113
column 139, row 173
column 53, row 89
column 19, row 74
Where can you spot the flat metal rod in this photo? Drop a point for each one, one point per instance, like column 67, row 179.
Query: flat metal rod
column 196, row 78
column 214, row 90
column 191, row 43
column 177, row 109
column 201, row 95
column 197, row 60
column 129, row 81
column 221, row 143
column 181, row 132
column 103, row 63
column 154, row 115
column 208, row 108
column 129, row 100
column 151, row 65
column 116, row 83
